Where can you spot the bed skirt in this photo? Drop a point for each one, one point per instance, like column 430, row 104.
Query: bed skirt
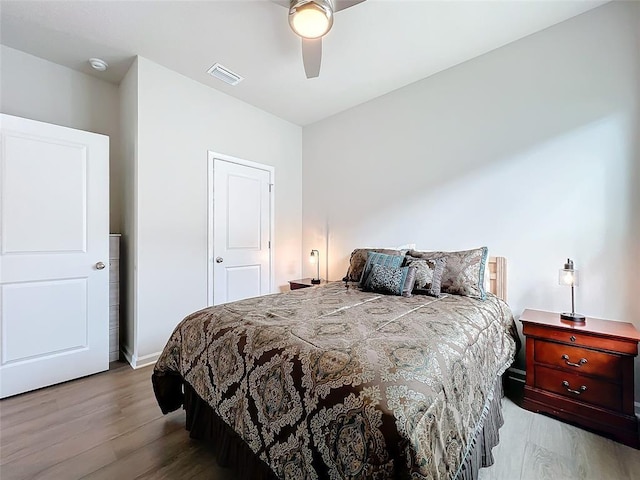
column 478, row 453
column 231, row 451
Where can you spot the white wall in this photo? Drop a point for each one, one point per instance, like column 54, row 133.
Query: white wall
column 178, row 121
column 531, row 149
column 128, row 97
column 34, row 88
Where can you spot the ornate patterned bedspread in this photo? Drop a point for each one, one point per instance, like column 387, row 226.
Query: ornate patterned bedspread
column 339, row 383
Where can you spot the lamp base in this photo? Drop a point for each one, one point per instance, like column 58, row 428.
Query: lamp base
column 315, row 281
column 573, row 317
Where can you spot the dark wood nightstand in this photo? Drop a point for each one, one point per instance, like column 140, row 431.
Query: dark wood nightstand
column 304, row 283
column 582, row 373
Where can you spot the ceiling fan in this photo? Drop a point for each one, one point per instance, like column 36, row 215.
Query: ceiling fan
column 312, row 20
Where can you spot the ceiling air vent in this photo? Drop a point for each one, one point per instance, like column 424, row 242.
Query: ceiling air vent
column 224, row 74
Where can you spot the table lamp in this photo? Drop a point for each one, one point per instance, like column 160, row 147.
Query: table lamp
column 315, row 258
column 569, row 276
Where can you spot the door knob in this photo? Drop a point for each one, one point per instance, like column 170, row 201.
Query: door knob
column 219, row 259
column 100, row 265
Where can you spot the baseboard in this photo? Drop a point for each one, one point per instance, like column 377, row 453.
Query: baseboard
column 128, row 356
column 139, row 362
column 516, row 375
column 147, row 360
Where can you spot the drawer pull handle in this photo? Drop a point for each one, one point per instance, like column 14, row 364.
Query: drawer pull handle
column 572, row 338
column 565, row 384
column 582, row 361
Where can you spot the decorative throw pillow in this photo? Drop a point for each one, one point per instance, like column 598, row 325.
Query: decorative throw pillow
column 428, row 274
column 464, row 271
column 359, row 258
column 374, row 258
column 391, row 280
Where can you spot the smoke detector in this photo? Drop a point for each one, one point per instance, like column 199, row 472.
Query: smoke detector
column 224, row 74
column 98, row 64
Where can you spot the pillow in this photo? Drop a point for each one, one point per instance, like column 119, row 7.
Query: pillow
column 391, row 280
column 487, row 278
column 374, row 258
column 359, row 258
column 428, row 274
column 463, row 272
column 406, row 247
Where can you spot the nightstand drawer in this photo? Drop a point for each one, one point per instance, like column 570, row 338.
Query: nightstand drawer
column 574, row 337
column 577, row 359
column 591, row 390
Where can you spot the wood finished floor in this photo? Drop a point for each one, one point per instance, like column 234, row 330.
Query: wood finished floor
column 108, row 426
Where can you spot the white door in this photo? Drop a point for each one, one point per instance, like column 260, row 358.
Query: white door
column 240, row 254
column 54, row 242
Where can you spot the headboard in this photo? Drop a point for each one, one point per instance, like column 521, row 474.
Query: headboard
column 498, row 277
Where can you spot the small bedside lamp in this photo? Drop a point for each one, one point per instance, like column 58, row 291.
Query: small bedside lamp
column 314, row 258
column 569, row 276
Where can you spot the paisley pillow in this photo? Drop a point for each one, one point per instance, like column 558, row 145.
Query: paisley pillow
column 428, row 274
column 374, row 258
column 359, row 258
column 391, row 280
column 464, row 271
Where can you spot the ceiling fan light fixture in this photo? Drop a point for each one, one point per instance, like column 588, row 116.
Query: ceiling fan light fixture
column 311, row 19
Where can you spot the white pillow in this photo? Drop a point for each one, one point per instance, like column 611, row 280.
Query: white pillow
column 406, row 246
column 487, row 276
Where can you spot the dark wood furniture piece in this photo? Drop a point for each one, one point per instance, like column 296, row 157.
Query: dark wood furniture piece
column 582, row 373
column 304, row 283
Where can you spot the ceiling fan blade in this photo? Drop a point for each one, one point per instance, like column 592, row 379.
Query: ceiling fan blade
column 312, row 56
column 342, row 4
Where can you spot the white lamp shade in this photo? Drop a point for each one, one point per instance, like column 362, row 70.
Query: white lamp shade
column 311, row 20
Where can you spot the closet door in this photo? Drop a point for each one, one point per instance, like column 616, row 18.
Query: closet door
column 54, row 254
column 241, row 221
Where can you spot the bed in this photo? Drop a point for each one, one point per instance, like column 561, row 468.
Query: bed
column 336, row 382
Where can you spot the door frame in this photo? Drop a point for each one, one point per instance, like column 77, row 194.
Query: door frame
column 211, row 157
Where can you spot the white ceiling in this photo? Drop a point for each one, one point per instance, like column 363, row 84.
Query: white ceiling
column 373, row 48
